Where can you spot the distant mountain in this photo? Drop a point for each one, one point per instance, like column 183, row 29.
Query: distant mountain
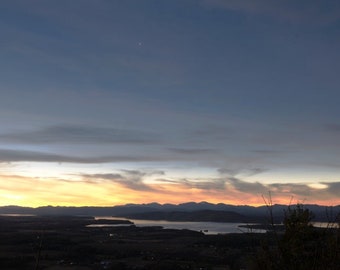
column 190, row 211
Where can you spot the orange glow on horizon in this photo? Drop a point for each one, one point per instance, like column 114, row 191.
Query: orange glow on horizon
column 35, row 192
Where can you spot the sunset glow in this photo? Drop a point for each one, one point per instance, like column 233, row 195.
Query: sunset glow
column 27, row 191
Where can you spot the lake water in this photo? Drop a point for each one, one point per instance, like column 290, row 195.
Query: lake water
column 206, row 227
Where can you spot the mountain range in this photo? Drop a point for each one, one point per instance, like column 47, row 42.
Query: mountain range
column 190, row 211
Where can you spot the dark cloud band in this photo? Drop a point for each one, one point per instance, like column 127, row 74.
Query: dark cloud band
column 80, row 134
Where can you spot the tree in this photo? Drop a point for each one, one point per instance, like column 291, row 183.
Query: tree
column 301, row 246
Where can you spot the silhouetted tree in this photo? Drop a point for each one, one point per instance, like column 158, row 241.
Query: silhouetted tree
column 300, row 246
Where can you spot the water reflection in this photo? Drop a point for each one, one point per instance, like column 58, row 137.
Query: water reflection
column 206, row 227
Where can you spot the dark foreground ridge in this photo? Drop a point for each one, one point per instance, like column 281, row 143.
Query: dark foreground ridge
column 60, row 242
column 69, row 243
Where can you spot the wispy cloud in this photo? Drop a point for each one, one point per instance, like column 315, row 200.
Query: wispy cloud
column 73, row 134
column 233, row 171
column 203, row 184
column 247, row 187
column 266, row 151
column 235, row 187
column 300, row 191
column 23, row 156
column 192, row 151
column 209, row 184
column 131, row 179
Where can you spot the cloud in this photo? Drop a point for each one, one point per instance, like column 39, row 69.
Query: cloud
column 333, row 187
column 134, row 172
column 310, row 11
column 229, row 171
column 244, row 171
column 32, row 156
column 259, row 188
column 236, row 188
column 142, row 173
column 298, row 190
column 105, row 176
column 80, row 135
column 255, row 171
column 203, row 184
column 266, row 151
column 131, row 179
column 192, row 151
column 247, row 187
column 233, row 187
column 213, row 184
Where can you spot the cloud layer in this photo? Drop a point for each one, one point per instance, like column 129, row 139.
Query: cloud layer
column 32, row 156
column 73, row 134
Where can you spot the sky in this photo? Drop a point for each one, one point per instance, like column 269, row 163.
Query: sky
column 135, row 101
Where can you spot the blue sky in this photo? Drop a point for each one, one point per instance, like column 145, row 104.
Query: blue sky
column 214, row 99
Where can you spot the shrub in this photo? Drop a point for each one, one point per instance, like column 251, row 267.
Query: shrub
column 301, row 246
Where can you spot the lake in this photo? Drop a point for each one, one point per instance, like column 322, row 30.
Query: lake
column 206, row 227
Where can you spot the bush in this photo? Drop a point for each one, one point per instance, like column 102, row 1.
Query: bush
column 301, row 246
